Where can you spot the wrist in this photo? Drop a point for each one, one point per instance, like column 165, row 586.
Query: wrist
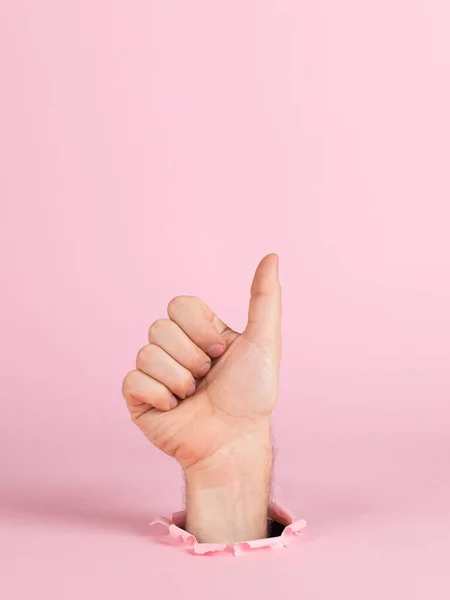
column 249, row 455
column 227, row 494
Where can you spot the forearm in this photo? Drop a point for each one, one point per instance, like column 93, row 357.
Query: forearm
column 227, row 497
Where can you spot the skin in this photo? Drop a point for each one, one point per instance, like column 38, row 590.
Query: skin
column 204, row 393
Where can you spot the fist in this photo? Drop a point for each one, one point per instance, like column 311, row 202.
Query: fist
column 199, row 386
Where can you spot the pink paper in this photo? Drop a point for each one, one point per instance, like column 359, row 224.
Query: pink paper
column 292, row 531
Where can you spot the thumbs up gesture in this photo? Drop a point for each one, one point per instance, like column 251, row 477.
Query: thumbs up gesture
column 203, row 393
column 199, row 385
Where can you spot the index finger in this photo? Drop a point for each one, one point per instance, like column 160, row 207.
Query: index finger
column 200, row 324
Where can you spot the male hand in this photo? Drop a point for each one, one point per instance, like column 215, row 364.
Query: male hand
column 204, row 393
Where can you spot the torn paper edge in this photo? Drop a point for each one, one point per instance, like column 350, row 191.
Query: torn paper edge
column 277, row 512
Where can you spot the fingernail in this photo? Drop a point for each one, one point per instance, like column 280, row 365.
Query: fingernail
column 206, row 367
column 191, row 391
column 173, row 402
column 216, row 350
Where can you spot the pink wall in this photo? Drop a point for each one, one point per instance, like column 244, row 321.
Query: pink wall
column 149, row 149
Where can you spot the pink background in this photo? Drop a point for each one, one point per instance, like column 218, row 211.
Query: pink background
column 155, row 148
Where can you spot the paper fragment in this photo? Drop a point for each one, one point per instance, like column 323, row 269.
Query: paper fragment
column 293, row 529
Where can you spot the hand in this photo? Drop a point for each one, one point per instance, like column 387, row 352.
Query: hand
column 204, row 393
column 199, row 387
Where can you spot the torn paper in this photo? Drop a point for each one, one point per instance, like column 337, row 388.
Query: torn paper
column 290, row 534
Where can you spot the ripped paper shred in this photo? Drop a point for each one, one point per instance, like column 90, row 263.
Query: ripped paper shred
column 293, row 529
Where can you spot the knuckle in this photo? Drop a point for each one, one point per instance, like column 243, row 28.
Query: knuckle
column 161, row 400
column 196, row 360
column 188, row 380
column 155, row 328
column 127, row 383
column 186, row 383
column 144, row 355
column 192, row 361
column 269, row 347
column 177, row 303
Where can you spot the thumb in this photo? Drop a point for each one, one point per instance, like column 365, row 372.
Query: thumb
column 264, row 315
